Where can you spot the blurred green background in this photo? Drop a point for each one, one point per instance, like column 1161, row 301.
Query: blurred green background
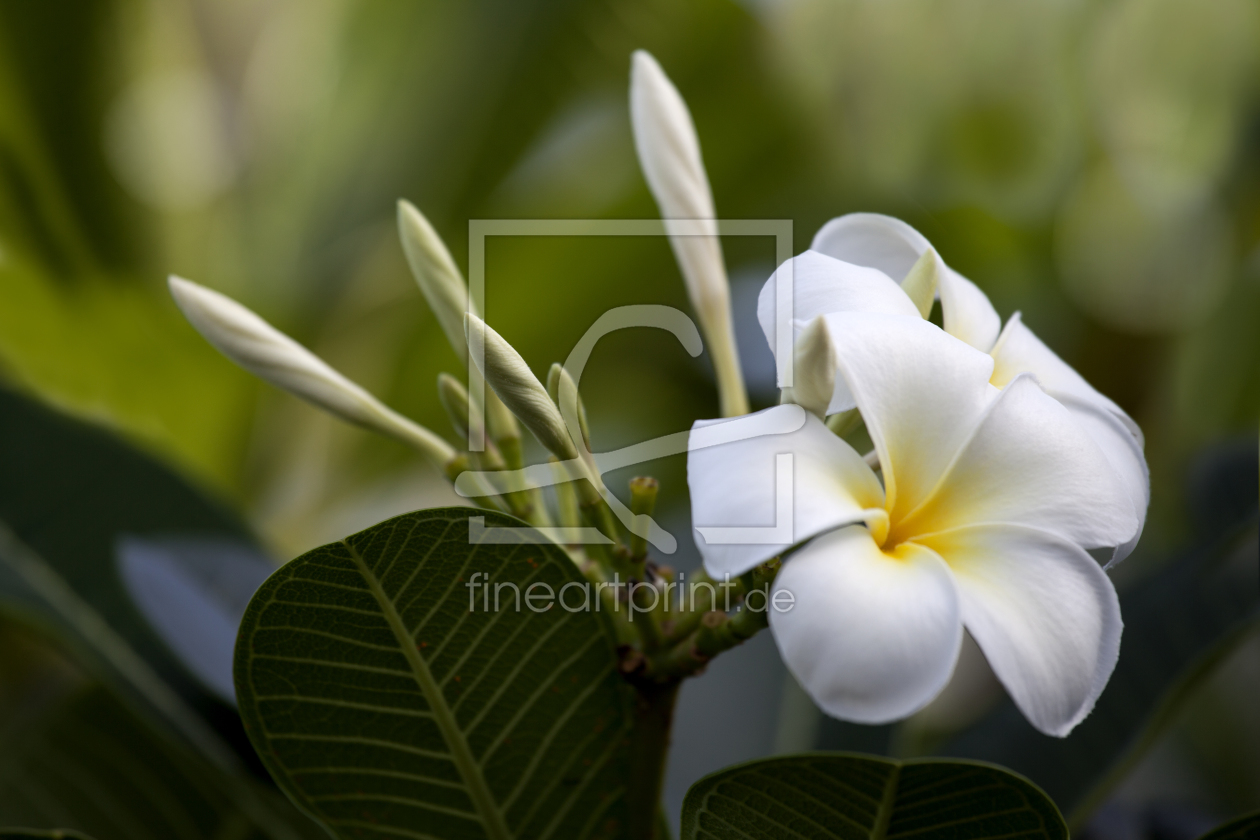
column 1094, row 164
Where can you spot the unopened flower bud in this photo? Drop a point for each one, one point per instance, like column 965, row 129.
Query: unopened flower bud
column 454, row 398
column 506, row 372
column 560, row 386
column 813, row 369
column 669, row 154
column 436, row 273
column 505, row 432
column 266, row 352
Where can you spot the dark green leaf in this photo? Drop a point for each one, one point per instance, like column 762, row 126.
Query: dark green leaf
column 73, row 755
column 36, row 834
column 844, row 796
column 385, row 699
column 144, row 574
column 1243, row 828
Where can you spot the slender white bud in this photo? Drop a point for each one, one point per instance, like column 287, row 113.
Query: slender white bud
column 443, row 287
column 814, row 369
column 266, row 352
column 514, row 383
column 436, row 273
column 669, row 154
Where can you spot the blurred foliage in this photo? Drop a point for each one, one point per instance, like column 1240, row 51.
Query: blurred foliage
column 74, row 755
column 1089, row 162
column 107, row 546
column 1085, row 162
column 1243, row 828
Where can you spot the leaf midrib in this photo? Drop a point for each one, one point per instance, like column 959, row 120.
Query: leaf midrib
column 491, row 818
column 884, row 816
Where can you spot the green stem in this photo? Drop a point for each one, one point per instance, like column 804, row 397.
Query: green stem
column 645, row 621
column 700, row 593
column 653, row 718
column 642, row 500
column 459, row 464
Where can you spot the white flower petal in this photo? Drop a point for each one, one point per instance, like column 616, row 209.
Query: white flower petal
column 923, row 282
column 871, row 637
column 1045, row 615
column 966, row 312
column 1018, row 350
column 822, row 285
column 733, row 485
column 1124, row 453
column 1029, row 462
column 920, row 391
column 893, row 247
column 874, row 240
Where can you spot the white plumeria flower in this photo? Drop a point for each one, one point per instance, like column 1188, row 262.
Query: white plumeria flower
column 856, row 263
column 989, row 499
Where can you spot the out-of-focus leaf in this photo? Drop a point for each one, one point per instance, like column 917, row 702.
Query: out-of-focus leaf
column 85, row 321
column 57, row 76
column 387, row 700
column 1179, row 624
column 1243, row 828
column 148, row 577
column 37, row 834
column 123, row 354
column 74, row 755
column 845, row 796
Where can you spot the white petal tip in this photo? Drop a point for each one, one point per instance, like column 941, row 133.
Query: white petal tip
column 642, row 61
column 178, row 284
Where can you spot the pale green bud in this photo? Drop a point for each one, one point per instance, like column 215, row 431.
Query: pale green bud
column 264, row 351
column 512, row 380
column 669, row 154
column 560, row 384
column 436, row 273
column 813, row 369
column 454, row 398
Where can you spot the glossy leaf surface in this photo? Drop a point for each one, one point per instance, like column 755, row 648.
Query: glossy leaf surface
column 855, row 797
column 389, row 701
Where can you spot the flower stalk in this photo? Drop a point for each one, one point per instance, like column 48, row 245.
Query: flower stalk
column 643, row 491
